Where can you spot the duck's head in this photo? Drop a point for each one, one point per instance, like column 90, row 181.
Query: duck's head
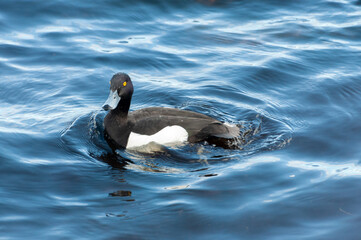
column 121, row 87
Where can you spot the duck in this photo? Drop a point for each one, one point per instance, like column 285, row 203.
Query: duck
column 124, row 129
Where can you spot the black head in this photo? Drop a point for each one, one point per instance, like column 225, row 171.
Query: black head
column 121, row 88
column 122, row 84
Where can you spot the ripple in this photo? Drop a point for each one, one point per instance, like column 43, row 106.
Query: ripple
column 287, row 72
column 329, row 170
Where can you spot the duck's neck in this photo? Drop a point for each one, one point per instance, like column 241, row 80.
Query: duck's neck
column 123, row 106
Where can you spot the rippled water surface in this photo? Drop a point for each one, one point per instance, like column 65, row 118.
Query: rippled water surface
column 289, row 72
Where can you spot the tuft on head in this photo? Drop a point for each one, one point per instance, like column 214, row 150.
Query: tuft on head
column 119, row 80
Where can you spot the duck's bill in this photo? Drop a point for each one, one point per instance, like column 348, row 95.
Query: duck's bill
column 112, row 101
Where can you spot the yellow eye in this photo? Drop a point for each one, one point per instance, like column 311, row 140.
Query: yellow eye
column 124, row 84
column 110, row 82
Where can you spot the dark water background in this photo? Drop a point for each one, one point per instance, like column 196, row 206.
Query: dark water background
column 288, row 71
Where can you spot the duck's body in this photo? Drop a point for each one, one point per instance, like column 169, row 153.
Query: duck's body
column 124, row 129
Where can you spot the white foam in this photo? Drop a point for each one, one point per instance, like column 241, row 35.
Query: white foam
column 167, row 136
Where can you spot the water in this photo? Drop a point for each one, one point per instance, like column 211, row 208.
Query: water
column 288, row 71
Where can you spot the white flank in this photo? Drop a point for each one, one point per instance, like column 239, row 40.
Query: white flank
column 168, row 135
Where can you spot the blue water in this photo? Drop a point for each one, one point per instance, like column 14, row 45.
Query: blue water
column 289, row 72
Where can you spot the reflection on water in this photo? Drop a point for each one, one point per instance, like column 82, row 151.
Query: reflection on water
column 329, row 170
